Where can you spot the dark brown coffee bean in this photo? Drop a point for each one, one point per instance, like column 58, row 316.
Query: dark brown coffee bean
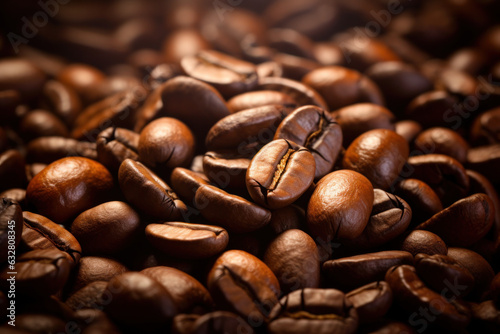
column 42, row 233
column 146, row 191
column 241, row 283
column 67, row 187
column 260, row 98
column 139, row 302
column 379, row 154
column 182, row 43
column 166, row 142
column 457, row 83
column 341, row 87
column 34, row 169
column 463, row 223
column 469, row 60
column 485, row 160
column 49, row 149
column 481, row 185
column 362, row 117
column 246, row 127
column 189, row 295
column 385, row 326
column 96, row 321
column 485, row 317
column 419, row 241
column 287, row 218
column 486, row 128
column 91, row 296
column 62, row 100
column 40, row 323
column 23, row 76
column 314, row 310
column 408, row 129
column 11, row 228
column 80, row 78
column 445, row 175
column 218, row 322
column 227, row 168
column 114, row 145
column 230, row 76
column 412, row 294
column 185, row 183
column 435, row 108
column 232, row 212
column 371, row 301
column 12, row 174
column 313, row 128
column 295, row 68
column 442, row 141
column 280, row 173
column 47, row 268
column 355, row 271
column 294, row 259
column 424, row 202
column 107, row 228
column 340, row 206
column 187, row 241
column 41, row 123
column 16, row 194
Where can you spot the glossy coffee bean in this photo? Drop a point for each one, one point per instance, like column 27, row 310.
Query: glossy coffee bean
column 408, row 129
column 42, row 233
column 49, row 149
column 106, row 229
column 314, row 129
column 182, row 43
column 11, row 228
column 12, row 173
column 67, row 187
column 23, row 76
column 187, row 241
column 166, row 142
column 16, row 194
column 355, row 271
column 227, row 168
column 47, row 268
column 114, row 145
column 316, row 310
column 294, row 259
column 486, row 128
column 42, row 123
column 258, row 99
column 231, row 212
column 420, row 241
column 230, row 76
column 463, row 223
column 241, row 283
column 139, row 302
column 185, row 183
column 280, row 173
column 411, row 294
column 371, row 301
column 442, row 141
column 146, row 191
column 189, row 295
column 481, row 185
column 485, row 160
column 62, row 100
column 80, row 78
column 435, row 108
column 341, row 87
column 379, row 155
column 340, row 206
column 359, row 118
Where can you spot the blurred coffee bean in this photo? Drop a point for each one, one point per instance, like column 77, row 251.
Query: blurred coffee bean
column 442, row 141
column 486, row 128
column 262, row 98
column 485, row 160
column 408, row 129
column 436, row 108
column 80, row 78
column 22, row 76
column 62, row 100
column 11, row 228
column 12, row 172
column 41, row 123
column 49, row 149
column 420, row 241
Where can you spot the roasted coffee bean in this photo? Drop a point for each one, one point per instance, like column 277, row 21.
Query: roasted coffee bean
column 42, row 123
column 313, row 128
column 435, row 108
column 340, row 206
column 355, row 271
column 379, row 154
column 188, row 241
column 218, row 322
column 114, row 145
column 241, row 283
column 341, row 87
column 232, row 212
column 67, row 187
column 481, row 185
column 80, row 78
column 389, row 218
column 419, row 241
column 90, row 296
column 420, row 197
column 408, row 129
column 445, row 175
column 11, row 228
column 469, row 60
column 62, row 100
column 227, row 168
column 314, row 310
column 16, row 194
column 280, row 173
column 185, row 183
column 49, row 149
column 485, row 317
column 371, row 301
column 96, row 321
column 486, row 128
column 23, row 76
column 295, row 68
column 42, row 233
column 440, row 271
column 34, row 169
column 359, row 118
column 182, row 43
column 139, row 302
column 246, row 127
column 485, row 160
column 230, row 76
column 166, row 142
column 146, row 191
column 294, row 259
column 287, row 218
column 12, row 172
column 442, row 141
column 47, row 268
column 385, row 326
column 463, row 223
column 40, row 323
column 107, row 228
column 260, row 98
column 412, row 294
column 189, row 295
column 457, row 83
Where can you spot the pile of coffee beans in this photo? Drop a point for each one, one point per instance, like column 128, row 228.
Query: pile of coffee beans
column 249, row 166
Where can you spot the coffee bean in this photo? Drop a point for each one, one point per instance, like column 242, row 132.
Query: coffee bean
column 114, row 145
column 42, row 123
column 371, row 301
column 91, row 296
column 408, row 129
column 23, row 76
column 485, row 160
column 227, row 168
column 485, row 129
column 185, row 183
column 80, row 78
column 49, row 149
column 16, row 194
column 11, row 228
column 62, row 100
column 12, row 172
column 260, row 98
column 420, row 241
column 442, row 141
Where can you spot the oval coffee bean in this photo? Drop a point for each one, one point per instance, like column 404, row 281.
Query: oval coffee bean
column 371, row 301
column 49, row 149
column 261, row 98
column 90, row 296
column 226, row 168
column 12, row 173
column 187, row 241
column 114, row 145
column 11, row 228
column 62, row 100
column 23, row 76
column 420, row 241
column 442, row 141
column 185, row 183
column 42, row 123
column 340, row 206
column 280, row 173
column 313, row 128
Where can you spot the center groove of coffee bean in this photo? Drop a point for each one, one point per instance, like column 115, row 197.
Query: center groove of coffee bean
column 280, row 169
column 322, row 124
column 307, row 315
column 242, row 284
